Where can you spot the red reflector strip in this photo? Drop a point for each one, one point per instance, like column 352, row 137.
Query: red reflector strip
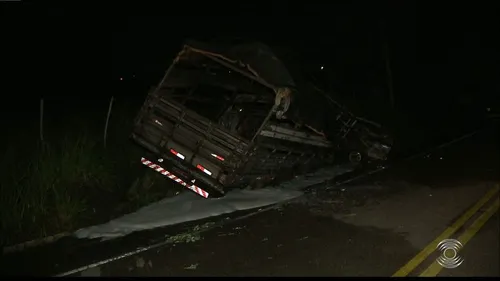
column 173, row 177
column 177, row 154
column 203, row 169
column 217, row 156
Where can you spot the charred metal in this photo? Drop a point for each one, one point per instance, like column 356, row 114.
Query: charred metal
column 241, row 104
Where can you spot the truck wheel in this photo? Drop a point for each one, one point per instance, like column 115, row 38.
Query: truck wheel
column 355, row 157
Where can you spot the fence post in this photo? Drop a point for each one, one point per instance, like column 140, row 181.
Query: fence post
column 107, row 120
column 41, row 120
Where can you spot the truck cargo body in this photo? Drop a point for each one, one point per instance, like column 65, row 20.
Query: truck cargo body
column 231, row 117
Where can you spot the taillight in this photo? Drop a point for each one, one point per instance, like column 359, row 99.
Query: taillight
column 217, row 156
column 177, row 154
column 203, row 169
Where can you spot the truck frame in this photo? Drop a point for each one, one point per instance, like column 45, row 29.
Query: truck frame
column 232, row 116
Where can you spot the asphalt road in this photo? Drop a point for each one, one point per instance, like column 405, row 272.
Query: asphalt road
column 385, row 225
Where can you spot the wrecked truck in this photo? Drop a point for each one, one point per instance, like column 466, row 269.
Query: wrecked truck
column 228, row 117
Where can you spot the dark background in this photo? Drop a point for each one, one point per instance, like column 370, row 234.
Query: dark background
column 443, row 61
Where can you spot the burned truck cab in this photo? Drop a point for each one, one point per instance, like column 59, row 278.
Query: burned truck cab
column 228, row 117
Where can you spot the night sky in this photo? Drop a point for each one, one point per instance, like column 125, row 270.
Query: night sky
column 442, row 60
column 438, row 60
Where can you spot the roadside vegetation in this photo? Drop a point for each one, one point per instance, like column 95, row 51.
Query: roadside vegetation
column 71, row 180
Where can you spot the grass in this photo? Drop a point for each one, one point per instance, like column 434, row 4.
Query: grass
column 72, row 180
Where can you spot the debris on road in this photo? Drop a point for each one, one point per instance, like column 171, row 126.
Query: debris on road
column 139, row 262
column 192, row 267
column 204, row 226
column 191, row 235
column 346, row 216
column 340, row 203
column 184, row 238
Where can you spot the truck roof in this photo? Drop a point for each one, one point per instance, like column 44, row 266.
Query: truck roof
column 261, row 59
